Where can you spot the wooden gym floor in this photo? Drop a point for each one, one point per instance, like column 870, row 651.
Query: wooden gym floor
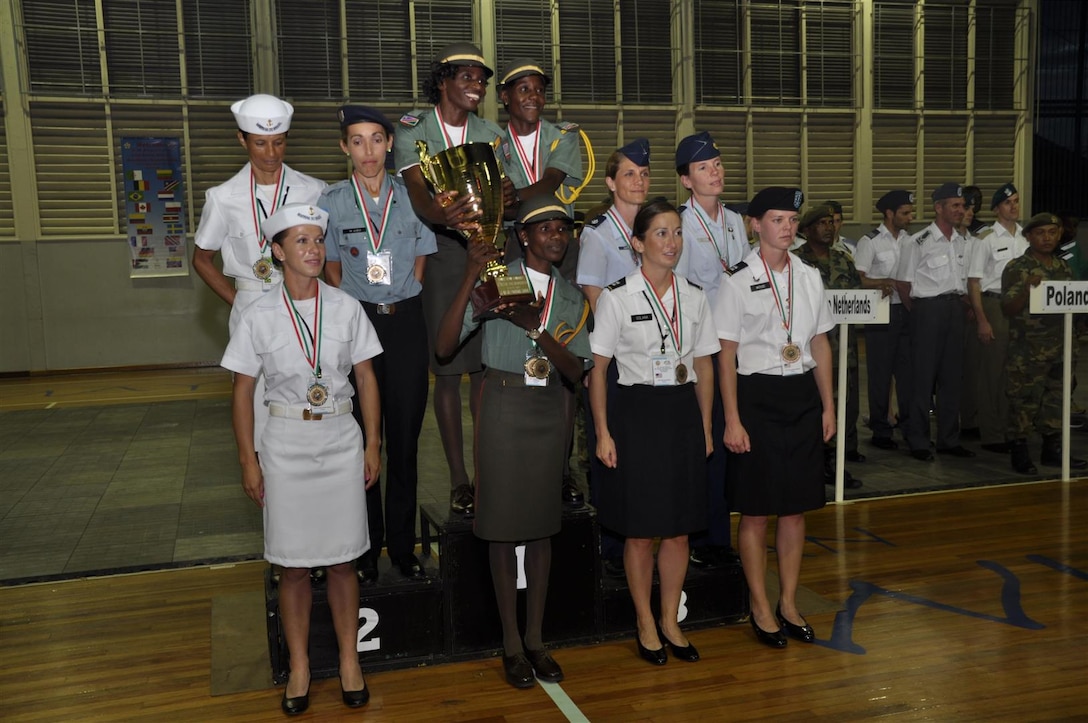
column 956, row 606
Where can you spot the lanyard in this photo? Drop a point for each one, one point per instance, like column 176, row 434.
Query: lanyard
column 446, row 136
column 705, row 222
column 530, row 162
column 546, row 316
column 311, row 347
column 624, row 232
column 675, row 320
column 254, row 204
column 375, row 238
column 787, row 324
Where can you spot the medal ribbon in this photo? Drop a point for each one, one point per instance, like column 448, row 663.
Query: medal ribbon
column 375, row 238
column 311, row 348
column 446, row 136
column 547, row 314
column 676, row 320
column 624, row 232
column 524, row 158
column 786, row 324
column 262, row 242
column 705, row 222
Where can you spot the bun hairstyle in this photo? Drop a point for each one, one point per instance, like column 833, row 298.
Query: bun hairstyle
column 648, row 213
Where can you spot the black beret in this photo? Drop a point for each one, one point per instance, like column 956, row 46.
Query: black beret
column 1042, row 219
column 948, row 190
column 892, row 200
column 776, row 198
column 1002, row 194
column 351, row 114
column 638, row 152
column 699, row 147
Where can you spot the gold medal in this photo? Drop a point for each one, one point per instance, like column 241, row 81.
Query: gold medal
column 375, row 273
column 538, row 367
column 262, row 268
column 317, row 394
column 681, row 373
column 791, row 353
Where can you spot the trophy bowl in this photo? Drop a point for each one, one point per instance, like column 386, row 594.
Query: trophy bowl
column 473, row 170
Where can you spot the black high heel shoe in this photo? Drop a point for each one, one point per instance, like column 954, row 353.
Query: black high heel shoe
column 355, row 698
column 687, row 653
column 804, row 633
column 296, row 705
column 777, row 639
column 654, row 657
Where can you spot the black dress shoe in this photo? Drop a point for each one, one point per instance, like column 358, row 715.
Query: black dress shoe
column 804, row 633
column 849, row 481
column 613, row 567
column 654, row 657
column 702, row 557
column 997, row 447
column 409, row 567
column 852, row 455
column 572, row 496
column 777, row 639
column 518, row 670
column 544, row 666
column 884, row 443
column 922, row 455
column 687, row 653
column 958, row 451
column 367, row 569
column 355, row 698
column 463, row 500
column 297, row 705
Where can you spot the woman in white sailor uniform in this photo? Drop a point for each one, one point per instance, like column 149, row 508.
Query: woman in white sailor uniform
column 530, row 351
column 653, row 437
column 775, row 372
column 306, row 337
column 233, row 212
column 456, row 86
column 377, row 252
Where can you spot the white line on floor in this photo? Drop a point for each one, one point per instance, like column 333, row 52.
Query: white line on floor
column 563, row 702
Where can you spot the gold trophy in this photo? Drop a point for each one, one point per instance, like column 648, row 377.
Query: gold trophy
column 473, row 170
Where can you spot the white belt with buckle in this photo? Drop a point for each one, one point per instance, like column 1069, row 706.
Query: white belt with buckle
column 288, row 411
column 251, row 285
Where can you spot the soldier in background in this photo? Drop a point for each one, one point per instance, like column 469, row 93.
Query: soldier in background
column 1034, row 364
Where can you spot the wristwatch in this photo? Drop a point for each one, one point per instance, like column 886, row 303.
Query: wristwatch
column 533, row 334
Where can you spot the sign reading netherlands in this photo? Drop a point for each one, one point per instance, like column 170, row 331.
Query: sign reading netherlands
column 857, row 306
column 1059, row 297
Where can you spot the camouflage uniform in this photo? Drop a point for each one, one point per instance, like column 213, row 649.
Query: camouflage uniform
column 1034, row 362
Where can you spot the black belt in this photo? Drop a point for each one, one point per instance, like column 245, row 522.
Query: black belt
column 392, row 308
column 992, row 294
column 951, row 295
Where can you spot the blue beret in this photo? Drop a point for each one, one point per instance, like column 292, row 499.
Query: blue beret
column 776, row 198
column 1002, row 194
column 948, row 190
column 352, row 114
column 699, row 147
column 892, row 200
column 638, row 152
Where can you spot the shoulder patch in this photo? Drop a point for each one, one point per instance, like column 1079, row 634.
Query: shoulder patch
column 874, row 233
column 736, row 267
column 922, row 237
column 597, row 221
column 985, row 232
column 566, row 126
column 409, row 120
column 618, row 284
column 682, row 208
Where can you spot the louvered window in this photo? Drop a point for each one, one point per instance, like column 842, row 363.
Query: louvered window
column 142, row 53
column 995, row 54
column 588, row 50
column 379, row 52
column 217, row 52
column 7, row 212
column 775, row 52
column 646, row 51
column 829, row 54
column 309, row 48
column 945, row 61
column 893, row 54
column 719, row 53
column 524, row 30
column 62, row 47
column 439, row 23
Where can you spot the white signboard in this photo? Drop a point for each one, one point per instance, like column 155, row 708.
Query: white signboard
column 1059, row 297
column 858, row 306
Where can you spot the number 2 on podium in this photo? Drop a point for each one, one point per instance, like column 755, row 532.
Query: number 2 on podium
column 368, row 618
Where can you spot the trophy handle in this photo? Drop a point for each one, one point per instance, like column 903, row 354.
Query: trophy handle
column 425, row 161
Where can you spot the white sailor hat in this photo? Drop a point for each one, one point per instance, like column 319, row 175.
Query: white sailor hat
column 294, row 214
column 265, row 115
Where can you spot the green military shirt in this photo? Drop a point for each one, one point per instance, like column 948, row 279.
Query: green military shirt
column 424, row 126
column 1038, row 336
column 838, row 272
column 558, row 148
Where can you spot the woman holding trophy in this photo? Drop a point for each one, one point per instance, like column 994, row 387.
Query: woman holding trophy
column 529, row 350
column 457, row 84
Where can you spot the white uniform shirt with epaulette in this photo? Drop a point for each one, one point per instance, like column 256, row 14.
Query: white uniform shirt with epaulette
column 991, row 250
column 627, row 327
column 710, row 247
column 932, row 264
column 605, row 254
column 877, row 255
column 746, row 312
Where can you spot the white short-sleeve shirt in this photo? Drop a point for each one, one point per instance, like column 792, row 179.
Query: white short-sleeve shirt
column 877, row 255
column 991, row 251
column 710, row 246
column 932, row 264
column 605, row 255
column 628, row 327
column 746, row 312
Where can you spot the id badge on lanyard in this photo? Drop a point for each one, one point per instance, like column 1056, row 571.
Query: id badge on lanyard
column 664, row 370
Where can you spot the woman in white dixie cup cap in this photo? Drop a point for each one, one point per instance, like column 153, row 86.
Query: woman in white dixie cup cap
column 231, row 221
column 310, row 479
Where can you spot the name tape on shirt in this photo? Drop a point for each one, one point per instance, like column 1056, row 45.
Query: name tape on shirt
column 1059, row 297
column 858, row 306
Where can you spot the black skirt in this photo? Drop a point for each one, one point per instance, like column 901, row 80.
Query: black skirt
column 658, row 488
column 784, row 472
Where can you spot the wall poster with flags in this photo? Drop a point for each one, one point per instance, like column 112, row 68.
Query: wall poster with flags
column 154, row 207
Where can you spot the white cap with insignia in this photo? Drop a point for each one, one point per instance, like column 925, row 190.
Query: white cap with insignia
column 294, row 214
column 265, row 115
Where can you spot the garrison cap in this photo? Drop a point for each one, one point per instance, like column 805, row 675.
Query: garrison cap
column 892, row 200
column 265, row 115
column 1042, row 219
column 459, row 54
column 1002, row 194
column 291, row 215
column 947, row 190
column 521, row 67
column 541, row 208
column 637, row 151
column 817, row 213
column 349, row 115
column 776, row 198
column 698, row 147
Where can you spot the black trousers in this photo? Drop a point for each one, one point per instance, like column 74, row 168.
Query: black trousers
column 936, row 339
column 402, row 383
column 887, row 355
